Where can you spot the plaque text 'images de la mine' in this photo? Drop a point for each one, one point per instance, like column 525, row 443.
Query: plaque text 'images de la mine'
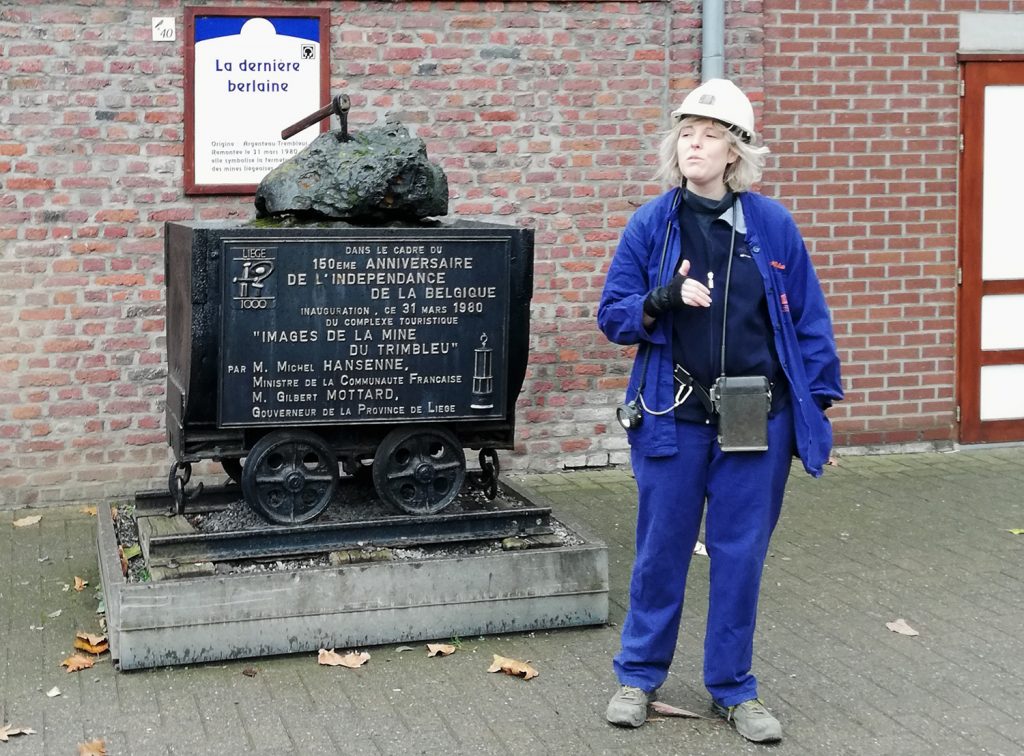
column 363, row 330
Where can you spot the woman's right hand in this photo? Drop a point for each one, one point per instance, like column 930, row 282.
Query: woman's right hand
column 682, row 291
column 692, row 292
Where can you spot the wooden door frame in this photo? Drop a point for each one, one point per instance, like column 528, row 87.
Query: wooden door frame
column 987, row 69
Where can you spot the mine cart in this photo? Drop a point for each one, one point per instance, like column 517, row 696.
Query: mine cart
column 293, row 350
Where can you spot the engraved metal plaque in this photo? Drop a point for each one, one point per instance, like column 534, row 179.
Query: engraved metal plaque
column 368, row 329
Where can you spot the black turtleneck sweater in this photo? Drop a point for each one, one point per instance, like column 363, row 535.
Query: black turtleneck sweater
column 697, row 331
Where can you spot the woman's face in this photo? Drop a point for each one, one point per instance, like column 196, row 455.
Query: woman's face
column 704, row 152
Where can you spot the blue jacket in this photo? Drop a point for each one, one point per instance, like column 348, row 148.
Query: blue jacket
column 796, row 305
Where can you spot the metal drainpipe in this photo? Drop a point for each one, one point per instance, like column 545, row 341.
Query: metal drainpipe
column 712, row 64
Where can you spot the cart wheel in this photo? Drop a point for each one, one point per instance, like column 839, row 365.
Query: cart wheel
column 290, row 477
column 419, row 470
column 232, row 468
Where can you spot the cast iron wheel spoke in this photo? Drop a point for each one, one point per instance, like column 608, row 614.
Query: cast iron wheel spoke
column 290, row 477
column 419, row 470
column 453, row 465
column 297, row 454
column 319, row 478
column 442, row 467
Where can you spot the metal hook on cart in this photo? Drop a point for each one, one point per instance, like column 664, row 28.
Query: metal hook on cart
column 487, row 478
column 176, row 485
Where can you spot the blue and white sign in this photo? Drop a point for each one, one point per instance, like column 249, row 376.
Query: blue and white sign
column 252, row 77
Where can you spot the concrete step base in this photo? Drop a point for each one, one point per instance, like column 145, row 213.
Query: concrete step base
column 215, row 617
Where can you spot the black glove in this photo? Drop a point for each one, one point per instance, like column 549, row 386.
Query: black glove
column 665, row 298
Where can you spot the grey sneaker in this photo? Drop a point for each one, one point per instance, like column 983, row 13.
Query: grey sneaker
column 752, row 720
column 628, row 707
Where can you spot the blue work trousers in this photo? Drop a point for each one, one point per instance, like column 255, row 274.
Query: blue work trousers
column 743, row 492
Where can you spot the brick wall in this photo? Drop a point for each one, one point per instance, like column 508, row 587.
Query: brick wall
column 542, row 114
column 861, row 112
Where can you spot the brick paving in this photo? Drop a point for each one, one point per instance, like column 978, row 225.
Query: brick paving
column 921, row 537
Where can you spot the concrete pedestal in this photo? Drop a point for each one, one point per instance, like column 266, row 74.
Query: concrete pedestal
column 211, row 618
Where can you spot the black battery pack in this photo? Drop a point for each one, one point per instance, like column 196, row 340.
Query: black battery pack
column 742, row 404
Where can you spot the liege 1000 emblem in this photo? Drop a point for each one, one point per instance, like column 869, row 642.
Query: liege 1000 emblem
column 252, row 278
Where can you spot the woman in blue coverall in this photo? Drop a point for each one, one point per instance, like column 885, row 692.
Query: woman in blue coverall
column 666, row 291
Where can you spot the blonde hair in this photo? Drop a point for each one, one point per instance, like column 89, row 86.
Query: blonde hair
column 740, row 175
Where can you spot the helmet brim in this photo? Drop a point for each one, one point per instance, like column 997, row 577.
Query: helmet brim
column 680, row 113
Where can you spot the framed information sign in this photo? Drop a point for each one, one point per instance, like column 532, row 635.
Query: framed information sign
column 249, row 73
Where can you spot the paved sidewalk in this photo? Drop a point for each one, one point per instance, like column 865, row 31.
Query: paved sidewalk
column 921, row 537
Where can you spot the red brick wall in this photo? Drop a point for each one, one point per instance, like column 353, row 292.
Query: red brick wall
column 861, row 113
column 543, row 114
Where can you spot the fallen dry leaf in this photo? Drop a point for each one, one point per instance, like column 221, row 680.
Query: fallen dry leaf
column 94, row 644
column 669, row 710
column 130, row 552
column 24, row 522
column 10, row 731
column 352, row 660
column 80, row 584
column 89, row 510
column 440, row 649
column 93, row 748
column 900, row 626
column 77, row 662
column 124, row 561
column 53, row 692
column 250, row 671
column 512, row 667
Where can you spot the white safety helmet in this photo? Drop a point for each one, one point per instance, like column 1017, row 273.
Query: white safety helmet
column 720, row 100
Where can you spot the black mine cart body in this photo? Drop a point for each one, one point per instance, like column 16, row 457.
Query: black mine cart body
column 293, row 349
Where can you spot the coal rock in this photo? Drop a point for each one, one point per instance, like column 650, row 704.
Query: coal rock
column 378, row 174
